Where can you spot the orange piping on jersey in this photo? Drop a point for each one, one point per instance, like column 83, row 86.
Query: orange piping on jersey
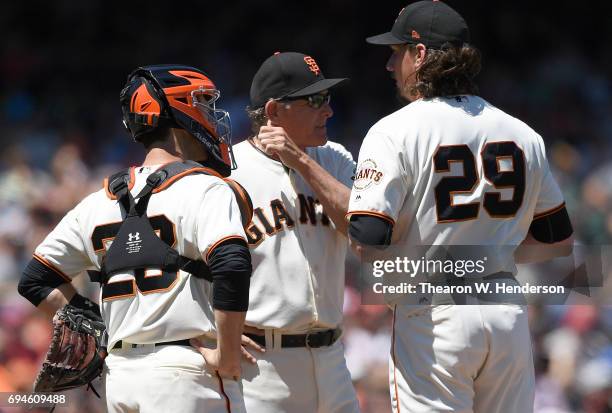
column 222, row 389
column 130, row 184
column 549, row 212
column 176, row 177
column 216, row 244
column 52, row 267
column 371, row 213
column 397, row 401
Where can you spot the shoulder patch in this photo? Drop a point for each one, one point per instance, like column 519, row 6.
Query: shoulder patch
column 368, row 174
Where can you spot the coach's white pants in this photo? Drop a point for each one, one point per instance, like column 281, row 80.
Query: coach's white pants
column 461, row 359
column 169, row 379
column 299, row 380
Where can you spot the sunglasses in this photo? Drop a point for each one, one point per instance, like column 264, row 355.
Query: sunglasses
column 314, row 101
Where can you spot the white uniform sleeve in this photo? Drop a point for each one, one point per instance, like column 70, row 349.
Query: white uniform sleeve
column 381, row 180
column 218, row 220
column 64, row 249
column 550, row 197
column 345, row 165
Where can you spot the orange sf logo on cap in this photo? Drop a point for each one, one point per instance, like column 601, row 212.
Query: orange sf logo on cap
column 312, row 65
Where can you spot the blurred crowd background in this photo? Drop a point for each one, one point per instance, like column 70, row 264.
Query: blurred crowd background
column 63, row 63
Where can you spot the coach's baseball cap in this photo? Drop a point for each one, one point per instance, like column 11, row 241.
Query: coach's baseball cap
column 432, row 23
column 288, row 75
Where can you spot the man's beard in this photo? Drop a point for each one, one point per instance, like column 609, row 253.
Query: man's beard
column 406, row 93
column 401, row 93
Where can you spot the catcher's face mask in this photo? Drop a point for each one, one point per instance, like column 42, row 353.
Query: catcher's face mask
column 204, row 99
column 185, row 99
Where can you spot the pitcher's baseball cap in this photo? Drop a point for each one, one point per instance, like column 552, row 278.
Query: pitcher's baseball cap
column 288, row 75
column 432, row 23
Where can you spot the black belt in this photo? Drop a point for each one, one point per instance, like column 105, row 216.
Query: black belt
column 310, row 340
column 119, row 344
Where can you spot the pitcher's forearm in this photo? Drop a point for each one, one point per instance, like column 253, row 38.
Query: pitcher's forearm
column 332, row 194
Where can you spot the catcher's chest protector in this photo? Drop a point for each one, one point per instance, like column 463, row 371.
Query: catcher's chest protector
column 136, row 245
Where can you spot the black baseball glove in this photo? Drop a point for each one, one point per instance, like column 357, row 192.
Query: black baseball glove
column 77, row 351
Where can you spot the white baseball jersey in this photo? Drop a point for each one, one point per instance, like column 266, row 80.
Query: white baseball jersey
column 455, row 171
column 297, row 254
column 193, row 214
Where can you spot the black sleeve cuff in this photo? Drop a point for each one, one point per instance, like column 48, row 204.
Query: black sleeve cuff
column 553, row 227
column 37, row 281
column 370, row 230
column 230, row 266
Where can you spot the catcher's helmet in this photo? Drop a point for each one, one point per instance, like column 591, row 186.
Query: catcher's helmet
column 181, row 97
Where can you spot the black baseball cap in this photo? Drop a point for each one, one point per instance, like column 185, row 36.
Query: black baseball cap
column 432, row 23
column 288, row 75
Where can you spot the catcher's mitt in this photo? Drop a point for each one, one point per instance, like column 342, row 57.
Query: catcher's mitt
column 76, row 355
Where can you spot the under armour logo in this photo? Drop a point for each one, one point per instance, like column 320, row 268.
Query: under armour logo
column 134, row 243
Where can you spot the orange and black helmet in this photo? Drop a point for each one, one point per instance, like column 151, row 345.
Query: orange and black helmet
column 175, row 96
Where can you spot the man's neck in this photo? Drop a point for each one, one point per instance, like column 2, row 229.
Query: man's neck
column 158, row 156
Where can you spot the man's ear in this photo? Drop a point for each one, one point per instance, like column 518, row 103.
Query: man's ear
column 271, row 110
column 419, row 55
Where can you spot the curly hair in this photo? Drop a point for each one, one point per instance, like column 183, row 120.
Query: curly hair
column 257, row 117
column 448, row 71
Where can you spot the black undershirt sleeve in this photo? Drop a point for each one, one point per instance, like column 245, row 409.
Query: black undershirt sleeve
column 230, row 266
column 37, row 281
column 370, row 230
column 552, row 228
